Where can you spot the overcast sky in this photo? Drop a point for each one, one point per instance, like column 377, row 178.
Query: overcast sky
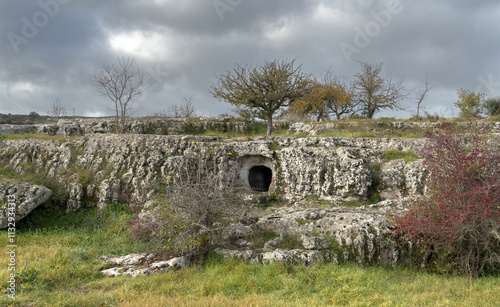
column 51, row 49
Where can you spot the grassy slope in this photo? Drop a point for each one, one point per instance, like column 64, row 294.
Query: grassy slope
column 61, row 252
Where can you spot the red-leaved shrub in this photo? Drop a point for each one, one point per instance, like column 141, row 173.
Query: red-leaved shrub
column 457, row 224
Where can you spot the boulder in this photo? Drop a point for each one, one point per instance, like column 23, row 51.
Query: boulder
column 18, row 199
column 139, row 264
column 293, row 256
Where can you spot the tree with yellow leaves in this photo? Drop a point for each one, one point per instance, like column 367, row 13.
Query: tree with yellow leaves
column 333, row 96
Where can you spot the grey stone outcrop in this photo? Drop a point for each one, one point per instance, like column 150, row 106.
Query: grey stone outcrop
column 377, row 127
column 24, row 196
column 98, row 169
column 160, row 126
column 139, row 264
column 362, row 234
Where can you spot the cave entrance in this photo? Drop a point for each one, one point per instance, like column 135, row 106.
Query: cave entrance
column 260, row 178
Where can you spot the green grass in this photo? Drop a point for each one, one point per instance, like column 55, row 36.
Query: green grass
column 495, row 118
column 57, row 260
column 274, row 147
column 395, row 154
column 61, row 250
column 27, row 136
column 348, row 134
column 232, row 134
column 359, row 131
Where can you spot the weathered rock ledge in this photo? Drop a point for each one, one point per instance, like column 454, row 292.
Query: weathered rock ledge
column 326, row 235
column 165, row 126
column 221, row 124
column 98, row 169
column 18, row 199
column 377, row 127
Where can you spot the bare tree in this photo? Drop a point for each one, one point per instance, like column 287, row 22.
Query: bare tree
column 421, row 94
column 57, row 109
column 376, row 93
column 185, row 110
column 262, row 90
column 123, row 85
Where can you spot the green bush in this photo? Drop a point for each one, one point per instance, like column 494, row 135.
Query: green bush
column 34, row 115
column 491, row 106
column 469, row 103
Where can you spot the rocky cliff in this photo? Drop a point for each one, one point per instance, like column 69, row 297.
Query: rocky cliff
column 318, row 176
column 97, row 169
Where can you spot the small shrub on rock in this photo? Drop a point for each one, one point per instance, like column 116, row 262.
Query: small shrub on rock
column 191, row 217
column 458, row 224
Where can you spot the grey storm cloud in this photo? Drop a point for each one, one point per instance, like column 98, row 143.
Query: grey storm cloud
column 51, row 49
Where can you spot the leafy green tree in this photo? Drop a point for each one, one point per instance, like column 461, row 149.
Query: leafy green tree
column 469, row 103
column 34, row 115
column 491, row 106
column 264, row 89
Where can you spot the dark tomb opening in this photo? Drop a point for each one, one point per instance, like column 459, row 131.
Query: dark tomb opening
column 259, row 178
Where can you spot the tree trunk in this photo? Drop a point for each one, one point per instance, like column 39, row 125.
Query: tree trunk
column 269, row 125
column 117, row 117
column 370, row 113
column 124, row 117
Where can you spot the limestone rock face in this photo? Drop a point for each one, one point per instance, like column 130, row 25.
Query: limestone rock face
column 315, row 243
column 293, row 255
column 98, row 169
column 322, row 171
column 19, row 199
column 164, row 126
column 301, row 256
column 315, row 128
column 393, row 179
column 401, row 179
column 362, row 234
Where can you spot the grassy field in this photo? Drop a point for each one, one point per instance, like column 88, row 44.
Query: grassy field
column 57, row 262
